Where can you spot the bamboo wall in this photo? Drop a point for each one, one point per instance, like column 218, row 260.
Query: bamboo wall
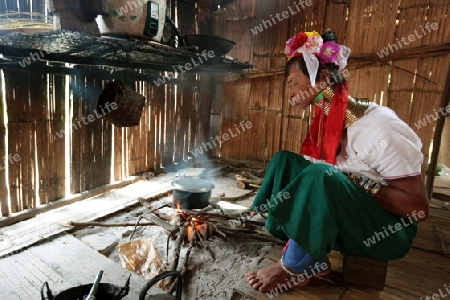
column 411, row 86
column 20, row 9
column 444, row 153
column 36, row 106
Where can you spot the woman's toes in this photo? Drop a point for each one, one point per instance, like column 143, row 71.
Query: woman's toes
column 250, row 274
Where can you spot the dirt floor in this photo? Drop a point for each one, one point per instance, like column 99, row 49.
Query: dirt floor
column 207, row 277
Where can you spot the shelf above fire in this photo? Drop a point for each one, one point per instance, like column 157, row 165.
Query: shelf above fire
column 83, row 49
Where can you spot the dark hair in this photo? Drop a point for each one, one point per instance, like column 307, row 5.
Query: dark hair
column 333, row 69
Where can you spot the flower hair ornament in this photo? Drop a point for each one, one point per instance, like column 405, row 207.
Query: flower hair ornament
column 325, row 131
column 315, row 52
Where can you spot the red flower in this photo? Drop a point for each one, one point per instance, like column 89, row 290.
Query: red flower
column 300, row 40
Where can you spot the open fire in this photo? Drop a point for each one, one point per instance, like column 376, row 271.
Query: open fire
column 193, row 228
column 198, row 229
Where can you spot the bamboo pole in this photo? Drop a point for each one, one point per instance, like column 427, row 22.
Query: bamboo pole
column 4, row 210
column 437, row 138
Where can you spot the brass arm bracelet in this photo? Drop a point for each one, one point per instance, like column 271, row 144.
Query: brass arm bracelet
column 370, row 186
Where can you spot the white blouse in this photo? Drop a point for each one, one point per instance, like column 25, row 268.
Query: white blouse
column 380, row 146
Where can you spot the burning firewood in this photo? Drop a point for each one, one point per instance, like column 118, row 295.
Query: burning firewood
column 195, row 228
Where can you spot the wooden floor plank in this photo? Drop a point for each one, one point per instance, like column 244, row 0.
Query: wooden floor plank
column 63, row 262
column 423, row 271
column 26, row 233
column 326, row 287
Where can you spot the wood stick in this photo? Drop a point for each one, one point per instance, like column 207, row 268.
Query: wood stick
column 241, row 230
column 214, row 228
column 183, row 270
column 176, row 251
column 257, row 186
column 242, row 185
column 252, row 177
column 248, row 194
column 99, row 224
column 213, row 256
column 247, row 180
column 158, row 221
column 153, row 198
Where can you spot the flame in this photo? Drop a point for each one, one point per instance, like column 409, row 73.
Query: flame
column 178, row 205
column 201, row 229
column 195, row 226
column 189, row 232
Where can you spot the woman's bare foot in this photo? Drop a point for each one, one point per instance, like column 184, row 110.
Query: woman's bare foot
column 273, row 277
column 327, row 271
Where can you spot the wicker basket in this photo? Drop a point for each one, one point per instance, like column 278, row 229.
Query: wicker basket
column 130, row 104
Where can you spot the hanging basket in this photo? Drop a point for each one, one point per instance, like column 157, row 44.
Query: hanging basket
column 130, row 104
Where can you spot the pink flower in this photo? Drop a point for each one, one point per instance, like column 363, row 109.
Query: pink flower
column 329, row 52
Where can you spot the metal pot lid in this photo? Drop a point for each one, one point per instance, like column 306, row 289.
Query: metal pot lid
column 193, row 185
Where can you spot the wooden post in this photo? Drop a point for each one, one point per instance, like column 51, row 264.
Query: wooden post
column 71, row 15
column 4, row 211
column 437, row 138
column 206, row 92
column 206, row 89
column 205, row 8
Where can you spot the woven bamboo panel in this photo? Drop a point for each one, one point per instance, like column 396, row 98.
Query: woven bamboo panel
column 136, row 139
column 433, row 73
column 169, row 143
column 56, row 115
column 44, row 147
column 216, row 127
column 424, row 108
column 233, row 22
column 292, row 134
column 20, row 128
column 266, row 105
column 150, row 141
column 186, row 24
column 306, row 18
column 256, row 143
column 336, row 19
column 157, row 103
column 272, row 135
column 369, row 82
column 236, row 96
column 194, row 109
column 183, row 118
column 260, row 93
column 264, row 41
column 413, row 16
column 90, row 161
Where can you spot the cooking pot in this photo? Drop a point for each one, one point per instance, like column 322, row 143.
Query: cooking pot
column 191, row 193
column 105, row 291
column 149, row 284
column 220, row 46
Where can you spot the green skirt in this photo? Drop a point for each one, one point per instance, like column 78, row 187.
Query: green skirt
column 322, row 210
